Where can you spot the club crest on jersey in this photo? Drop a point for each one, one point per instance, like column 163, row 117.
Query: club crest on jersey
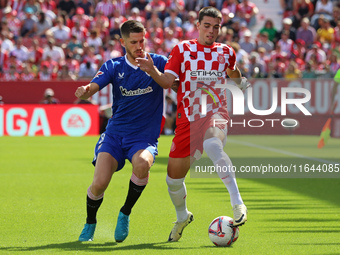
column 98, row 74
column 221, row 59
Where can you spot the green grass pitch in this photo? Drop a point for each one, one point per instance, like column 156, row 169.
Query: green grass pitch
column 43, row 182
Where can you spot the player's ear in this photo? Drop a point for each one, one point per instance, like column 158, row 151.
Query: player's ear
column 122, row 41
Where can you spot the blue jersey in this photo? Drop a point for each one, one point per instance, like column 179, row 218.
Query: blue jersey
column 137, row 107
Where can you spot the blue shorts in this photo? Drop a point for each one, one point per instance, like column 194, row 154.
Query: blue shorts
column 123, row 148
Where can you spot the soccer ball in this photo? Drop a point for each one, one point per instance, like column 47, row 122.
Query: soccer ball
column 222, row 232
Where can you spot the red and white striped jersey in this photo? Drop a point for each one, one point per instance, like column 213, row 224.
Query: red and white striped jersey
column 199, row 68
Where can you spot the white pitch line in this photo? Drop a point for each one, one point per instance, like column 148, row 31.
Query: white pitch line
column 282, row 151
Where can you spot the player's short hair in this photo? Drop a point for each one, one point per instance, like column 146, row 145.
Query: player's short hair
column 210, row 12
column 131, row 26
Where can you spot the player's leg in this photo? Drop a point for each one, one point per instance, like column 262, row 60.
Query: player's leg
column 104, row 169
column 141, row 161
column 177, row 170
column 213, row 145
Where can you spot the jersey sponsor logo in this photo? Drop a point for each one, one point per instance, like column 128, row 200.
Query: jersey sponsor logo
column 206, row 75
column 98, row 74
column 120, row 75
column 136, row 92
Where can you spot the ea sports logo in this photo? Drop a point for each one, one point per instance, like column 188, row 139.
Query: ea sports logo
column 76, row 122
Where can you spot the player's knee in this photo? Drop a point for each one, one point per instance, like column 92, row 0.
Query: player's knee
column 141, row 168
column 174, row 184
column 99, row 186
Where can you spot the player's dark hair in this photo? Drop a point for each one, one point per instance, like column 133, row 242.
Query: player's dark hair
column 131, row 26
column 210, row 12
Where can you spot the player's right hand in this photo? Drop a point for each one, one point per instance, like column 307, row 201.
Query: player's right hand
column 82, row 90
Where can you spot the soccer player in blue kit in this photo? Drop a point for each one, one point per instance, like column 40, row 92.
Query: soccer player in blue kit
column 133, row 130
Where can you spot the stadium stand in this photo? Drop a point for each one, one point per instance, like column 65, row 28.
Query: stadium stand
column 38, row 37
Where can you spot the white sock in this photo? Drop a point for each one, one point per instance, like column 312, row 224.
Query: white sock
column 178, row 193
column 214, row 149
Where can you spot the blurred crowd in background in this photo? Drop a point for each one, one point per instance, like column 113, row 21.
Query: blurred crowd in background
column 70, row 39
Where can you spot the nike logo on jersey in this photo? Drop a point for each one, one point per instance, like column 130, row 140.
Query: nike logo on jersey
column 193, row 57
column 98, row 74
column 120, row 75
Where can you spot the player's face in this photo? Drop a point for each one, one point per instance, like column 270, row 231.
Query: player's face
column 134, row 45
column 208, row 28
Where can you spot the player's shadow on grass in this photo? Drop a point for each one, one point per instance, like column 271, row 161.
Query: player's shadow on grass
column 95, row 247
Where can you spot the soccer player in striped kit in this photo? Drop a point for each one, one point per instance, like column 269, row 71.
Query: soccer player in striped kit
column 132, row 132
column 199, row 64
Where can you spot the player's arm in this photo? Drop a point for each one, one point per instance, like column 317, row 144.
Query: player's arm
column 165, row 80
column 86, row 91
column 236, row 76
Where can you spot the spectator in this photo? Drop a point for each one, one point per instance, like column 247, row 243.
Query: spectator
column 157, row 6
column 80, row 17
column 10, row 16
column 333, row 63
column 49, row 7
column 292, row 71
column 35, row 53
column 32, row 4
column 241, row 55
column 154, row 21
column 337, row 33
column 27, row 73
column 105, row 7
column 247, row 43
column 173, row 18
column 60, row 32
column 264, row 42
column 29, row 24
column 170, row 112
column 302, row 9
column 1, row 101
column 87, row 70
column 257, row 67
column 44, row 74
column 66, row 74
column 322, row 7
column 55, row 52
column 308, row 73
column 87, row 6
column 94, row 41
column 231, row 5
column 12, row 74
column 285, row 43
column 170, row 40
column 325, row 34
column 123, row 6
column 270, row 29
column 287, row 26
column 3, row 57
column 135, row 15
column 74, row 44
column 67, row 6
column 20, row 51
column 12, row 61
column 247, row 11
column 80, row 32
column 49, row 97
column 44, row 23
column 317, row 53
column 306, row 32
column 111, row 52
column 227, row 18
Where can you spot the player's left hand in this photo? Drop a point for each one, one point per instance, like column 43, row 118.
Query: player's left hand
column 244, row 84
column 145, row 64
